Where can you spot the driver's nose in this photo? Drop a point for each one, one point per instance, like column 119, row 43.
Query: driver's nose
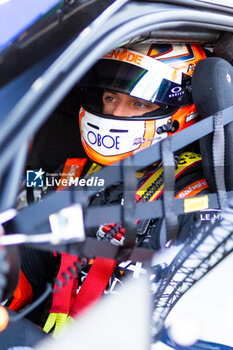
column 122, row 110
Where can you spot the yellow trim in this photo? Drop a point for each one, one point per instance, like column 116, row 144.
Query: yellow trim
column 149, row 182
column 196, row 204
column 186, row 159
column 93, row 168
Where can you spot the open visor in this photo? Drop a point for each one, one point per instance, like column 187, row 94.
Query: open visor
column 140, row 76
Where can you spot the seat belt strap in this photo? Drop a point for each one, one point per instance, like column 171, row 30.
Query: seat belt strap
column 218, row 149
column 94, row 285
column 62, row 298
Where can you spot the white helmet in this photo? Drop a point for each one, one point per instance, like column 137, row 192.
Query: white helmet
column 157, row 73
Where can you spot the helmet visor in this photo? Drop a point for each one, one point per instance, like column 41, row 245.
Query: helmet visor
column 142, row 77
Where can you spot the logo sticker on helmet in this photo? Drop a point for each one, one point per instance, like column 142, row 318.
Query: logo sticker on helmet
column 176, row 91
column 106, row 141
column 171, row 53
column 125, row 55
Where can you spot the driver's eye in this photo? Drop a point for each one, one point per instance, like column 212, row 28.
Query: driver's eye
column 141, row 105
column 109, row 98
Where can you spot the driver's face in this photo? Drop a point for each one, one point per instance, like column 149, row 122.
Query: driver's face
column 122, row 105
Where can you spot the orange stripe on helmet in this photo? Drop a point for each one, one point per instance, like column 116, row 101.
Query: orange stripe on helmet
column 182, row 116
column 148, row 134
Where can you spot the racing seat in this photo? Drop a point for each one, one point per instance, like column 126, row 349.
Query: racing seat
column 59, row 138
column 212, row 89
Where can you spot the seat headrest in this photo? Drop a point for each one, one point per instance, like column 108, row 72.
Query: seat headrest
column 212, row 86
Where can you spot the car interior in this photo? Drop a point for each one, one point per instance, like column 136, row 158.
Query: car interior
column 42, row 98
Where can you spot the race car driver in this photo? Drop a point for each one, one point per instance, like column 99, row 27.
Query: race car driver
column 132, row 98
